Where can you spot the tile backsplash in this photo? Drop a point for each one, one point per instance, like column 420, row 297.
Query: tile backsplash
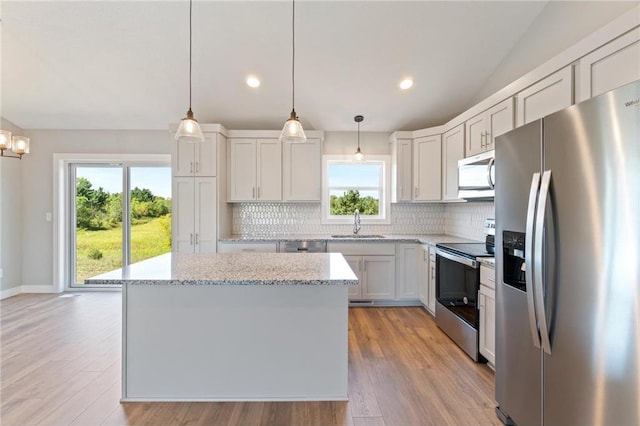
column 276, row 219
column 467, row 219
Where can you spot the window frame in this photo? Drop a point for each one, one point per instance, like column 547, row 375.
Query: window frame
column 384, row 217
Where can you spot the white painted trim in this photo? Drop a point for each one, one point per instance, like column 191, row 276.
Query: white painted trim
column 61, row 241
column 385, row 193
column 270, row 134
column 38, row 289
column 239, row 399
column 10, row 292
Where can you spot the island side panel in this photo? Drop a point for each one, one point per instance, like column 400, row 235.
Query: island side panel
column 235, row 342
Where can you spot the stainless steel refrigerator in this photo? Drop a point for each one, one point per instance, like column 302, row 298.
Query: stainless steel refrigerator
column 567, row 200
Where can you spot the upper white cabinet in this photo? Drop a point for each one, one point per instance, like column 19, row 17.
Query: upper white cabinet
column 427, row 168
column 255, row 170
column 194, row 222
column 452, row 151
column 401, row 176
column 613, row 65
column 408, row 271
column 302, row 170
column 482, row 129
column 545, row 97
column 195, row 158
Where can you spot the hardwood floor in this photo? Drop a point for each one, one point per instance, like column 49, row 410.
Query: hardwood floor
column 60, row 365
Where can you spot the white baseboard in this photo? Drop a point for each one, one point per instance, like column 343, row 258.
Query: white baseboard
column 10, row 292
column 38, row 289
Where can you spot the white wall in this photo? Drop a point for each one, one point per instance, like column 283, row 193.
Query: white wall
column 560, row 25
column 10, row 215
column 345, row 143
column 37, row 185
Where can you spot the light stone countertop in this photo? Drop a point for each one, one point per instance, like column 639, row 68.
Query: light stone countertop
column 430, row 239
column 234, row 269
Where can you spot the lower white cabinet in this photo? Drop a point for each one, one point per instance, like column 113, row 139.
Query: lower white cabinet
column 428, row 278
column 375, row 266
column 194, row 218
column 487, row 307
column 408, row 271
column 260, row 247
column 423, row 286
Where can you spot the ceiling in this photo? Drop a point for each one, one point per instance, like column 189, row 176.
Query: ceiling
column 124, row 64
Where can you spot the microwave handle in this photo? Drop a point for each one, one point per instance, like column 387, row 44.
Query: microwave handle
column 489, row 166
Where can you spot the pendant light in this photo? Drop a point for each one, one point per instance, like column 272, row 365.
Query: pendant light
column 358, row 155
column 292, row 130
column 189, row 130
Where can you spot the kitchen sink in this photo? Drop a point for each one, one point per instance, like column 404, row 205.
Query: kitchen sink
column 357, row 236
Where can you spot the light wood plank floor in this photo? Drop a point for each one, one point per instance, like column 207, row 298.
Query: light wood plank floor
column 60, row 365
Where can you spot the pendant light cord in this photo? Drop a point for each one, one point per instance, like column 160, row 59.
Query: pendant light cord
column 190, row 41
column 293, row 62
column 358, row 136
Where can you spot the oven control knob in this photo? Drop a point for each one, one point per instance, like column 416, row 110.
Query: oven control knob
column 465, row 300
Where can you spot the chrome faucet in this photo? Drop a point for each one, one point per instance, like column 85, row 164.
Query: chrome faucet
column 356, row 222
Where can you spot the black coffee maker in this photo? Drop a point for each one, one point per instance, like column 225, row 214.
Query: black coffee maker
column 490, row 235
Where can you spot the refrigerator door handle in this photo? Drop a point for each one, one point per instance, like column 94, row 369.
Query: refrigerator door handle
column 528, row 257
column 539, row 260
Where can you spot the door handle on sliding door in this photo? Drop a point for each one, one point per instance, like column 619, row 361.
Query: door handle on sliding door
column 528, row 257
column 539, row 260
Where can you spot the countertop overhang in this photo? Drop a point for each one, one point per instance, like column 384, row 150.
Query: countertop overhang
column 234, row 269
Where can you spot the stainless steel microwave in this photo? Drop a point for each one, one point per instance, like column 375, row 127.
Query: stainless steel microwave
column 476, row 177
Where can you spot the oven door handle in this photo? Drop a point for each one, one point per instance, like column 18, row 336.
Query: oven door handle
column 460, row 259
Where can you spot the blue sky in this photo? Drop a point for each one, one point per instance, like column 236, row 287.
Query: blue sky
column 156, row 179
column 354, row 175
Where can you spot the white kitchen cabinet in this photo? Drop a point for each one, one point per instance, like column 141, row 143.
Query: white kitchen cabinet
column 302, row 170
column 401, row 176
column 547, row 96
column 407, row 271
column 255, row 170
column 431, row 305
column 482, row 129
column 613, row 65
column 194, row 218
column 195, row 158
column 378, row 277
column 452, row 151
column 255, row 247
column 373, row 264
column 427, row 166
column 487, row 309
column 423, row 287
column 355, row 262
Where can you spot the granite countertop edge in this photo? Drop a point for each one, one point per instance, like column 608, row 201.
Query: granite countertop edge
column 205, row 282
column 391, row 238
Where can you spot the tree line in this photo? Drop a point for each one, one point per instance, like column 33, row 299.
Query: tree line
column 97, row 209
column 351, row 200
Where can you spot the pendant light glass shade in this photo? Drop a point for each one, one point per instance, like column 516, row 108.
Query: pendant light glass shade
column 359, row 156
column 5, row 139
column 292, row 130
column 20, row 145
column 189, row 130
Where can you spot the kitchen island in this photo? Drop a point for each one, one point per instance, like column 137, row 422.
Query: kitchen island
column 234, row 327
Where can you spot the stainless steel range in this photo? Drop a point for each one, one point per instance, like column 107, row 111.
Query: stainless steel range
column 457, row 286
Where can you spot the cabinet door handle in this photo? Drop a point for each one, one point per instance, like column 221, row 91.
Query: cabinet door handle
column 415, row 191
column 253, row 192
column 488, row 140
column 258, row 192
column 191, row 167
column 197, row 166
column 196, row 238
column 190, row 239
column 364, row 262
column 482, row 140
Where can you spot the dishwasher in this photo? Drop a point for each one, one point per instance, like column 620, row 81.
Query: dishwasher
column 302, row 247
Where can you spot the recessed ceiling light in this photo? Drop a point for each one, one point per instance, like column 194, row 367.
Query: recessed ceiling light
column 406, row 83
column 253, row 81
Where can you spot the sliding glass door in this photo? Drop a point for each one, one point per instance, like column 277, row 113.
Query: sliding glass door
column 111, row 229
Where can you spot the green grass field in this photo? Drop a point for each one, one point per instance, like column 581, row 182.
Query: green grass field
column 148, row 239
